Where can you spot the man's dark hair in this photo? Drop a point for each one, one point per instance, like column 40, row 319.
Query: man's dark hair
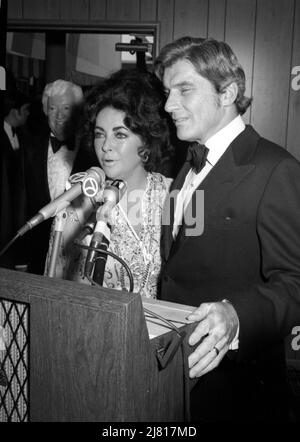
column 14, row 99
column 212, row 59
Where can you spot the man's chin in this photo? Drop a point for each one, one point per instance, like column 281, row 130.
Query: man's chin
column 183, row 136
column 61, row 136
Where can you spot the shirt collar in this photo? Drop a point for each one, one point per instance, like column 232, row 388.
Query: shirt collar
column 220, row 141
column 8, row 128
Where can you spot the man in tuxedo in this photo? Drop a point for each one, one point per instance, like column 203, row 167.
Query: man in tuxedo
column 51, row 158
column 16, row 111
column 241, row 268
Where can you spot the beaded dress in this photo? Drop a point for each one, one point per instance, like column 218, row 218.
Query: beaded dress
column 140, row 251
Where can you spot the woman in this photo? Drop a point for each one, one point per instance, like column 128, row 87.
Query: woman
column 127, row 127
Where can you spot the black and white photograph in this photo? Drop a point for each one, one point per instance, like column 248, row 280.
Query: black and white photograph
column 149, row 215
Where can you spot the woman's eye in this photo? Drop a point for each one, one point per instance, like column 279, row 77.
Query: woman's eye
column 99, row 135
column 121, row 135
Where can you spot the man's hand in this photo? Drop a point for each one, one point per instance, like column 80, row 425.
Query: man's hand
column 218, row 325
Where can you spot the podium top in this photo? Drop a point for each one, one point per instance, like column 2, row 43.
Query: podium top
column 171, row 311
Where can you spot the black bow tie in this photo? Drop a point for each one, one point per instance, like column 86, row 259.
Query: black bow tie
column 56, row 144
column 197, row 154
column 13, row 131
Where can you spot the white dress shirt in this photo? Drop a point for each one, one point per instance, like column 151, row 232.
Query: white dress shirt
column 59, row 168
column 12, row 138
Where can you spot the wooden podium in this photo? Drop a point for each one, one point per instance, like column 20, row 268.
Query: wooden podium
column 84, row 354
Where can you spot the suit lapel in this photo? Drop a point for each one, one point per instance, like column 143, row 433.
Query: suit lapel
column 40, row 158
column 229, row 171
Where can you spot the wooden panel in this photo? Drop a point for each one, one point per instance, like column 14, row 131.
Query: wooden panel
column 14, row 9
column 272, row 68
column 190, row 18
column 41, row 9
column 239, row 32
column 125, row 11
column 97, row 9
column 90, row 354
column 165, row 13
column 216, row 19
column 74, row 9
column 293, row 132
column 148, row 10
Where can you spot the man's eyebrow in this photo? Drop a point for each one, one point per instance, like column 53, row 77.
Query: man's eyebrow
column 182, row 83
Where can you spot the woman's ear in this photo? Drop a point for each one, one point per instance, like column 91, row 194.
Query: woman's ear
column 144, row 153
column 228, row 96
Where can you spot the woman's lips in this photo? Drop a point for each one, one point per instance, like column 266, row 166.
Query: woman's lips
column 109, row 162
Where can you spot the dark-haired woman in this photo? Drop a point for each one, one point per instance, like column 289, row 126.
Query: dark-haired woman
column 128, row 130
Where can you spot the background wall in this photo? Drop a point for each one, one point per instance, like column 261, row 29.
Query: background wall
column 265, row 34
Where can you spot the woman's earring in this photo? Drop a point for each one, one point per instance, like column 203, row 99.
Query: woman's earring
column 144, row 155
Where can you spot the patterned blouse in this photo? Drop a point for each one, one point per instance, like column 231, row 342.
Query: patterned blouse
column 140, row 251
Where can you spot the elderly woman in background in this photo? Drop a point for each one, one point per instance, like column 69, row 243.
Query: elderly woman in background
column 53, row 154
column 127, row 127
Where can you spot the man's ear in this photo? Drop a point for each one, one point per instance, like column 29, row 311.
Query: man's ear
column 228, row 96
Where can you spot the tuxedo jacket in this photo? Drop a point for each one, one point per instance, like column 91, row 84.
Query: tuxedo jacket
column 38, row 194
column 248, row 253
column 12, row 198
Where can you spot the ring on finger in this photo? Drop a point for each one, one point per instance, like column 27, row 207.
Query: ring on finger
column 216, row 350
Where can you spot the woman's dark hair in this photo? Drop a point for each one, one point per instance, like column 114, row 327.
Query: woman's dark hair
column 212, row 59
column 141, row 97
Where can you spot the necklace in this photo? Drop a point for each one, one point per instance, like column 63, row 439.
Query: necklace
column 146, row 233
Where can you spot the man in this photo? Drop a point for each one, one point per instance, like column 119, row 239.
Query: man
column 51, row 159
column 16, row 112
column 242, row 270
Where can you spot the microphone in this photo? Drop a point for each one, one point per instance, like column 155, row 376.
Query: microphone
column 112, row 194
column 87, row 183
column 88, row 228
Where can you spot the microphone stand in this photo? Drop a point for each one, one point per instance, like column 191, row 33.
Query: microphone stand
column 60, row 221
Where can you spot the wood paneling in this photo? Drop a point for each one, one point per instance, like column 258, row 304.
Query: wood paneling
column 41, row 9
column 75, row 10
column 165, row 15
column 128, row 10
column 190, row 18
column 271, row 74
column 216, row 19
column 264, row 34
column 97, row 9
column 148, row 10
column 293, row 128
column 240, row 28
column 15, row 8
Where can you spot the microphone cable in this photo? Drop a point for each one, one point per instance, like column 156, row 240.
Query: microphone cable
column 184, row 355
column 113, row 255
column 166, row 323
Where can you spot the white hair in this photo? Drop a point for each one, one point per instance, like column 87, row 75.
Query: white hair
column 60, row 87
